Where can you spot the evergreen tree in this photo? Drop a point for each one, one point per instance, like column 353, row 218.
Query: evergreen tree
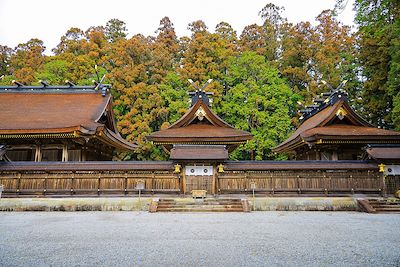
column 258, row 101
column 379, row 42
column 115, row 30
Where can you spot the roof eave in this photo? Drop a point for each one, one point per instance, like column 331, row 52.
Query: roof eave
column 116, row 141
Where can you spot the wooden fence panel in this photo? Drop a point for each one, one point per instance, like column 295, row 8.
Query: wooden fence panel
column 301, row 181
column 38, row 179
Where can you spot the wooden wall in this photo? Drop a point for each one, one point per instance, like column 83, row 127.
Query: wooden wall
column 323, row 182
column 88, row 183
column 122, row 178
column 392, row 183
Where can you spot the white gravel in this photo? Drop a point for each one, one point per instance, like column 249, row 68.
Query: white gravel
column 199, row 239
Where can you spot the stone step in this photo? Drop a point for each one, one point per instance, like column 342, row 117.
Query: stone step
column 200, row 203
column 202, row 207
column 385, row 206
column 200, row 210
column 205, row 205
column 204, row 201
column 384, row 202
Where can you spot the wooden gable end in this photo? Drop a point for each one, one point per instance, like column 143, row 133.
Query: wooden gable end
column 342, row 113
column 200, row 112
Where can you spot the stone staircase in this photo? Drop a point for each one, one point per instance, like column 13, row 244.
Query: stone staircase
column 199, row 205
column 380, row 205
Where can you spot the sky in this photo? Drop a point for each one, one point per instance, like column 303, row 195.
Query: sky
column 48, row 20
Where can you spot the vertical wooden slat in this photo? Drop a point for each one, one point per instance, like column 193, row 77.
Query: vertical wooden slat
column 45, row 183
column 382, row 178
column 125, row 183
column 19, row 183
column 72, row 183
column 98, row 184
column 153, row 184
column 184, row 180
column 213, row 180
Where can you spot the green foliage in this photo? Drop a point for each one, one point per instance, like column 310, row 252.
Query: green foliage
column 55, row 71
column 175, row 97
column 257, row 101
column 379, row 57
column 5, row 57
column 257, row 77
column 115, row 30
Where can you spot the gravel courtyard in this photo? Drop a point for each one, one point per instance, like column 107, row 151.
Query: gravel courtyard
column 199, row 239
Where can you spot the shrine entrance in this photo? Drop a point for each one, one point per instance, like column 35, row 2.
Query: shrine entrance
column 199, row 178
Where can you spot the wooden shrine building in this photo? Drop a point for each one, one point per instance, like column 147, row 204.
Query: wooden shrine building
column 199, row 142
column 59, row 123
column 332, row 130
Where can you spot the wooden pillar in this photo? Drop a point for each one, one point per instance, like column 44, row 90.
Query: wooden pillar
column 382, row 177
column 317, row 154
column 217, row 181
column 84, row 153
column 38, row 153
column 64, row 153
column 335, row 155
column 184, row 179
column 213, row 179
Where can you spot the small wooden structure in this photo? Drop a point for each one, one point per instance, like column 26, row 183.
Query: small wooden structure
column 199, row 141
column 59, row 123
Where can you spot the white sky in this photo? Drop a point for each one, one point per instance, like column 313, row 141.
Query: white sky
column 48, row 20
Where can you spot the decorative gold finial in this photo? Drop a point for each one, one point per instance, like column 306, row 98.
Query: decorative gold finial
column 220, row 168
column 381, row 167
column 341, row 113
column 177, row 168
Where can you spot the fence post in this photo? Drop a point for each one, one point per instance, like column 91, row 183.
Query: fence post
column 126, row 183
column 98, row 184
column 45, row 184
column 383, row 184
column 153, row 181
column 19, row 183
column 72, row 183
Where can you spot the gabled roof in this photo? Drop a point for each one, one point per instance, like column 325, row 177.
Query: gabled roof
column 384, row 153
column 191, row 115
column 63, row 113
column 336, row 122
column 200, row 126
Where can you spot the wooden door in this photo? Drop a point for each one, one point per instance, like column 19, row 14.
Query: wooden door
column 199, row 178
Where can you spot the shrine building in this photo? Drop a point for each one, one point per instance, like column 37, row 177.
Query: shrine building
column 59, row 123
column 61, row 141
column 199, row 142
column 332, row 130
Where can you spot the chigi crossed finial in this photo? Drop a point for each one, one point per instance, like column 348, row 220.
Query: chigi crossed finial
column 200, row 94
column 325, row 99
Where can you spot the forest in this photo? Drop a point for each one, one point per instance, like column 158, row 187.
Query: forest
column 261, row 76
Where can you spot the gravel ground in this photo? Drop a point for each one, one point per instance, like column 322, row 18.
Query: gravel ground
column 199, row 239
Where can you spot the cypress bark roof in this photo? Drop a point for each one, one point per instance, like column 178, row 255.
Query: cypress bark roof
column 200, row 126
column 384, row 153
column 336, row 122
column 65, row 113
